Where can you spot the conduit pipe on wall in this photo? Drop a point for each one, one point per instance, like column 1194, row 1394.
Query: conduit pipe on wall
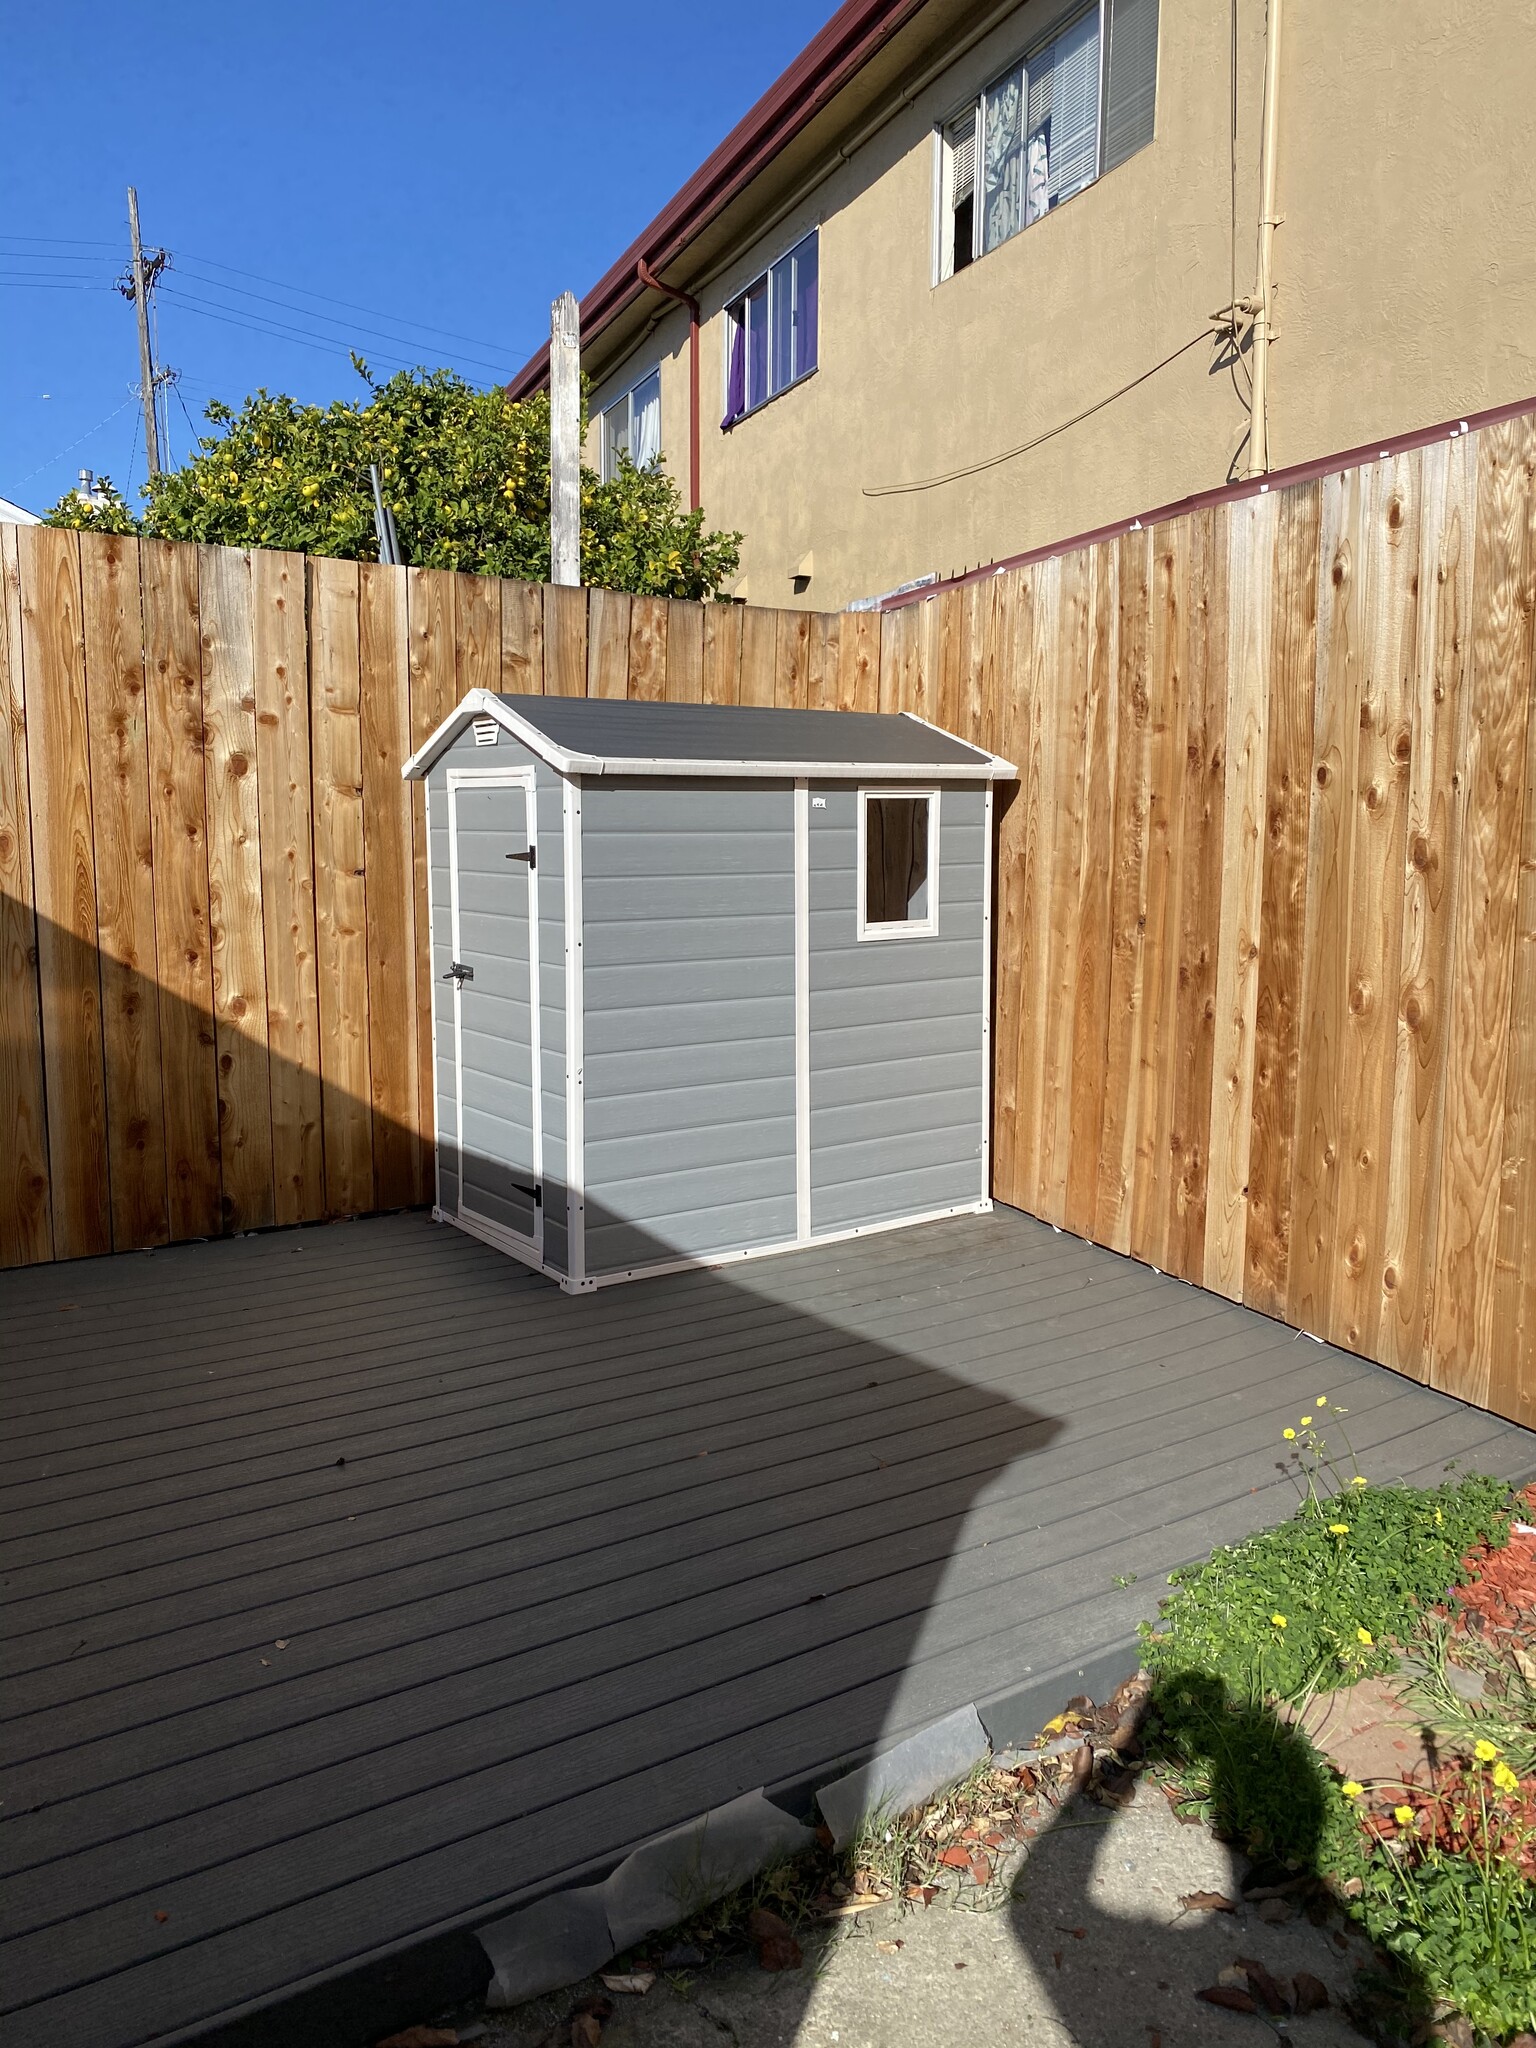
column 1263, row 290
column 648, row 276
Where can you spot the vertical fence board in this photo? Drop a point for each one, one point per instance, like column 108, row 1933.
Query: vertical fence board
column 394, row 1064
column 648, row 649
column 178, row 811
column 608, row 644
column 1090, row 1000
column 235, row 888
column 522, row 639
column 1330, row 833
column 1461, row 1331
column 280, row 677
column 477, row 648
column 1151, row 1153
column 685, row 652
column 1277, row 1036
column 722, row 654
column 1070, row 709
column 790, row 661
column 565, row 640
column 26, row 1214
column 64, row 880
column 858, row 662
column 125, row 887
column 1434, row 807
column 1203, row 796
column 433, row 693
column 1368, row 1049
column 759, row 644
column 341, row 909
column 1250, row 578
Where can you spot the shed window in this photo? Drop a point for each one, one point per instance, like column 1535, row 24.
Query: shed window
column 898, row 862
column 1070, row 109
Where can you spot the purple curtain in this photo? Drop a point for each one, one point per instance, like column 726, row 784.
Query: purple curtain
column 806, row 266
column 736, row 376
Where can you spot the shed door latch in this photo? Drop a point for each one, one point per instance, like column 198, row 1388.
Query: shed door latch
column 459, row 973
column 531, row 856
column 534, row 1193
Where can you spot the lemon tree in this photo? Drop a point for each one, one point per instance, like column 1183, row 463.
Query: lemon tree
column 466, row 473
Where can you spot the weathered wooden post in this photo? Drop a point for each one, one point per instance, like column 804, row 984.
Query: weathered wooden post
column 565, row 440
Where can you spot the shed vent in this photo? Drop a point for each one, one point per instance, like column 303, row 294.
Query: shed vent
column 486, row 730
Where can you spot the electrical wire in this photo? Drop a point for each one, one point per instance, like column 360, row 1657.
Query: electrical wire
column 58, row 241
column 498, row 368
column 302, row 291
column 129, row 400
column 950, row 476
column 203, row 310
column 19, row 282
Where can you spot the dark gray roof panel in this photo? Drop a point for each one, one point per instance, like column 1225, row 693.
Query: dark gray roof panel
column 624, row 731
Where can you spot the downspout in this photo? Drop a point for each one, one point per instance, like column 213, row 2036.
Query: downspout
column 648, row 277
column 1263, row 290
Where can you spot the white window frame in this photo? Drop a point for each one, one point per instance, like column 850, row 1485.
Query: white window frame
column 943, row 213
column 764, row 277
column 925, row 927
column 627, row 399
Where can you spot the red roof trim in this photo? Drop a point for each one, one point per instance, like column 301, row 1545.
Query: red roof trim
column 826, row 64
column 1228, row 494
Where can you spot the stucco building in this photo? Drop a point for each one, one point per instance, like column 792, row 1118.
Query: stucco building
column 972, row 279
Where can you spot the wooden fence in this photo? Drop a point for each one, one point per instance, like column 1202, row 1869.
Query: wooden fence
column 1266, row 931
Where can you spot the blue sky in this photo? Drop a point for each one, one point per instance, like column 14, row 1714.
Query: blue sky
column 456, row 164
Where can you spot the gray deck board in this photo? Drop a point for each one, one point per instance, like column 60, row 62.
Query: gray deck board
column 588, row 1565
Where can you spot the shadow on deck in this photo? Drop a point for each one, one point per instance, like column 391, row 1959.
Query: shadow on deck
column 360, row 1585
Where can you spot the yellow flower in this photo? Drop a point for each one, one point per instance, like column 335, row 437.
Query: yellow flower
column 1439, row 1518
column 1289, row 1435
column 1364, row 1635
column 1352, row 1788
column 1321, row 1401
column 1358, row 1481
column 1505, row 1778
column 1403, row 1815
column 1306, row 1422
column 1278, row 1620
column 1484, row 1750
column 1338, row 1528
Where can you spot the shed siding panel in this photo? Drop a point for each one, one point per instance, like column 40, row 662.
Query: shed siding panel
column 548, row 799
column 896, row 1028
column 688, row 898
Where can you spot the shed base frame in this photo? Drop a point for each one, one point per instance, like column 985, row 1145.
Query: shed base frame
column 489, row 1234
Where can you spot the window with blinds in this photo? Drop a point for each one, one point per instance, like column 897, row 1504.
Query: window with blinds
column 1071, row 108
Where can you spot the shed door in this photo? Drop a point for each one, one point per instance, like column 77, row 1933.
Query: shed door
column 496, row 1003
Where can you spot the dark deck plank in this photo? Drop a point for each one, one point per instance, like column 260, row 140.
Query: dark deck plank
column 590, row 1565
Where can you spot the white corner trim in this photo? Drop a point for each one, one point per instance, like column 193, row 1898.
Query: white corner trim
column 431, row 945
column 999, row 769
column 803, row 1011
column 575, row 1044
column 909, row 928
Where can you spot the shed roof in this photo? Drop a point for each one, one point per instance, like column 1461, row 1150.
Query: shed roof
column 603, row 736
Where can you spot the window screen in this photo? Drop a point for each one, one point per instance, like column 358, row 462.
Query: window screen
column 896, row 884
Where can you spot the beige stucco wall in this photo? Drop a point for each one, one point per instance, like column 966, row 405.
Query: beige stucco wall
column 1405, row 266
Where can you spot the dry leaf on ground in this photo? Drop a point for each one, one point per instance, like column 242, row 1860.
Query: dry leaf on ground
column 1228, row 1997
column 422, row 2037
column 1311, row 1992
column 635, row 1983
column 1207, row 1902
column 777, row 1948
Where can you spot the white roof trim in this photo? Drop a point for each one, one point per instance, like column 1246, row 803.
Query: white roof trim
column 484, row 703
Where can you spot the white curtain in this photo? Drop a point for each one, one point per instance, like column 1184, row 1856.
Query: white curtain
column 645, row 422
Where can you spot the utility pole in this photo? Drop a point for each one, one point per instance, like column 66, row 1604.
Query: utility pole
column 565, row 440
column 140, row 295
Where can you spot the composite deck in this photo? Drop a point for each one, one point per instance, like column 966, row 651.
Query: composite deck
column 360, row 1584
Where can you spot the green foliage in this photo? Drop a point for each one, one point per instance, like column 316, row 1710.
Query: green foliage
column 106, row 512
column 1465, row 1926
column 465, row 472
column 1306, row 1608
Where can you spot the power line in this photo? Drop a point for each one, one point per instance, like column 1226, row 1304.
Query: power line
column 497, row 367
column 18, row 281
column 203, row 310
column 58, row 241
column 951, row 476
column 131, row 399
column 303, row 291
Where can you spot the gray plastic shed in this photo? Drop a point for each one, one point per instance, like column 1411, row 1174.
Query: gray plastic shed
column 708, row 982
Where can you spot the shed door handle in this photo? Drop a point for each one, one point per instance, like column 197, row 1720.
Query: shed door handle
column 460, row 973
